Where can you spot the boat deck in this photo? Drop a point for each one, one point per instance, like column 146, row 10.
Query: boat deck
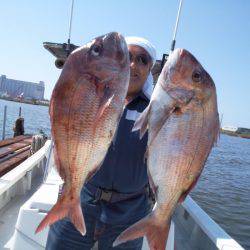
column 193, row 228
column 9, row 214
column 181, row 240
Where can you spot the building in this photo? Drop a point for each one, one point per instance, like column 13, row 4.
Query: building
column 16, row 88
column 230, row 128
column 243, row 130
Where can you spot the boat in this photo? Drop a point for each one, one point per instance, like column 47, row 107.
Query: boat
column 29, row 191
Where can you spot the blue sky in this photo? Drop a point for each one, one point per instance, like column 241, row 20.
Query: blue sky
column 217, row 32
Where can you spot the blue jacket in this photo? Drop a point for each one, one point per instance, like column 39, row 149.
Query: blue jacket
column 124, row 170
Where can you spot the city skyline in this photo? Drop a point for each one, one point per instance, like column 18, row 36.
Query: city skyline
column 17, row 88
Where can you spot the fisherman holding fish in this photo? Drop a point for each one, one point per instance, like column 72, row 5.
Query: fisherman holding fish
column 117, row 195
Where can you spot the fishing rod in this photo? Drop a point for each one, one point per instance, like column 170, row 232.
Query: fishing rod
column 70, row 26
column 165, row 56
column 62, row 50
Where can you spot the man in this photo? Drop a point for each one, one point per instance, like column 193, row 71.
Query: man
column 117, row 196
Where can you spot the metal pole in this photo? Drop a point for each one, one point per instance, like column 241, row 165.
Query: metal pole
column 165, row 56
column 176, row 27
column 70, row 24
column 20, row 111
column 4, row 121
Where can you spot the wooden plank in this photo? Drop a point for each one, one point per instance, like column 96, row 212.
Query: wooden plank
column 13, row 140
column 7, row 157
column 13, row 147
column 16, row 174
column 28, row 140
column 13, row 162
column 15, row 153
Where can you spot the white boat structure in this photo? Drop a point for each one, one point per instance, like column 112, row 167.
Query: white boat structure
column 25, row 199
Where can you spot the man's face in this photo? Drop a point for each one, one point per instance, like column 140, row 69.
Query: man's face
column 140, row 65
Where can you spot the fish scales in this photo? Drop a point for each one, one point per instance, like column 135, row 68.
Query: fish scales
column 86, row 106
column 172, row 151
column 183, row 124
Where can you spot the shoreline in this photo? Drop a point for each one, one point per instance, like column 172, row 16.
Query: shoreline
column 235, row 134
column 32, row 102
column 46, row 103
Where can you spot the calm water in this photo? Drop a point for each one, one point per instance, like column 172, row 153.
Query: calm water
column 223, row 190
column 35, row 117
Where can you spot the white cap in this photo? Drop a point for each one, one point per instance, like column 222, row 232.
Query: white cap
column 144, row 43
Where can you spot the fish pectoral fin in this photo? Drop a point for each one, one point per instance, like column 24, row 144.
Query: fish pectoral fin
column 156, row 233
column 158, row 122
column 142, row 122
column 104, row 104
column 182, row 96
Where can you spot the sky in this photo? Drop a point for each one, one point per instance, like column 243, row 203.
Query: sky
column 216, row 32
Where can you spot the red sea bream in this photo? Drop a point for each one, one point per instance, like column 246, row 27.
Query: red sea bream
column 183, row 124
column 85, row 108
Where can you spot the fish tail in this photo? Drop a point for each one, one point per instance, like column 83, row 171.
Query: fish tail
column 156, row 232
column 64, row 208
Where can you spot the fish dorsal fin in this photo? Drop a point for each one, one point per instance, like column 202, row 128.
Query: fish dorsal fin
column 216, row 132
column 142, row 122
column 152, row 185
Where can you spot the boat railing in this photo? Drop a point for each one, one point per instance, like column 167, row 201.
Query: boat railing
column 199, row 229
column 18, row 180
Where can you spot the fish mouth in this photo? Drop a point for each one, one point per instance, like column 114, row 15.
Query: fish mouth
column 174, row 66
column 123, row 44
column 116, row 46
column 174, row 57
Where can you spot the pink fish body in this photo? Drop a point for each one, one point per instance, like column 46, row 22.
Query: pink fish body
column 85, row 108
column 183, row 124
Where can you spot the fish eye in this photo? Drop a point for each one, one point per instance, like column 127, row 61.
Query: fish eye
column 197, row 77
column 96, row 50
